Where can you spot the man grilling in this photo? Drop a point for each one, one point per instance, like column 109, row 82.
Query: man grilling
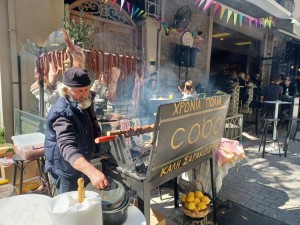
column 71, row 129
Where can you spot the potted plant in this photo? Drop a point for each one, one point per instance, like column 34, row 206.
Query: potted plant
column 2, row 135
column 81, row 33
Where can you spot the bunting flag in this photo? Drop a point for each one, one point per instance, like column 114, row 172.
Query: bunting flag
column 222, row 12
column 136, row 11
column 128, row 7
column 216, row 8
column 131, row 8
column 202, row 1
column 242, row 18
column 229, row 12
column 250, row 21
column 122, row 3
column 132, row 11
column 142, row 11
column 208, row 4
column 234, row 18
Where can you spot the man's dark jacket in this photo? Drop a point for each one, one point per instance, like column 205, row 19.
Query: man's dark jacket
column 84, row 137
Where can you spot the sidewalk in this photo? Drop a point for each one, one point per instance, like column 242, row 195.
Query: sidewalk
column 262, row 191
column 270, row 185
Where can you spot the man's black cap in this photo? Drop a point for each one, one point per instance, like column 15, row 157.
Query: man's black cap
column 76, row 77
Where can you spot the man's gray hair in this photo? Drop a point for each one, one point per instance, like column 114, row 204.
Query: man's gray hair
column 63, row 90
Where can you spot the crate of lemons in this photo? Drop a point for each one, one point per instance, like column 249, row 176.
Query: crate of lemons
column 195, row 204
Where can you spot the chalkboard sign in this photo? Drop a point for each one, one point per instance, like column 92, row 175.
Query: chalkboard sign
column 186, row 131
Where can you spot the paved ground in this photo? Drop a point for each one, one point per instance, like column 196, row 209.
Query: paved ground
column 269, row 188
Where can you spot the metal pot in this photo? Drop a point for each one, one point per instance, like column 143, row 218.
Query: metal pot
column 116, row 216
column 115, row 201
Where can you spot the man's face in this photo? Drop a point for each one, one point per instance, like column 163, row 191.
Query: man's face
column 81, row 96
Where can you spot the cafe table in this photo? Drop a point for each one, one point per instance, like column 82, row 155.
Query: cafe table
column 277, row 103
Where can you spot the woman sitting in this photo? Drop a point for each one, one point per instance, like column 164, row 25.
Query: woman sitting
column 189, row 92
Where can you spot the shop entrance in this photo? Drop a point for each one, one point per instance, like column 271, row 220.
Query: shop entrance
column 232, row 52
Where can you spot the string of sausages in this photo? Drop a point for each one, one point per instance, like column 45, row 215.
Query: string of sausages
column 97, row 61
column 131, row 131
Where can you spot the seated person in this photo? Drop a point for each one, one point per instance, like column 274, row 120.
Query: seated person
column 289, row 91
column 189, row 91
column 271, row 92
column 100, row 87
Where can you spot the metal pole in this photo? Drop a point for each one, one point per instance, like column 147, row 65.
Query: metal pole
column 20, row 82
column 41, row 84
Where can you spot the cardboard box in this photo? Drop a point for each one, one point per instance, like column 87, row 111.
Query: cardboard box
column 156, row 218
column 6, row 150
column 31, row 170
column 29, row 185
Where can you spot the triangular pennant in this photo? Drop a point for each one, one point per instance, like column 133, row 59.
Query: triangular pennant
column 145, row 15
column 136, row 11
column 234, row 18
column 216, row 7
column 114, row 2
column 122, row 3
column 202, row 1
column 142, row 11
column 128, row 7
column 229, row 12
column 132, row 11
column 222, row 12
column 250, row 21
column 208, row 4
column 240, row 19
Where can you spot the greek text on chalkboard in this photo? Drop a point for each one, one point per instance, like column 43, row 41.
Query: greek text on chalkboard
column 188, row 159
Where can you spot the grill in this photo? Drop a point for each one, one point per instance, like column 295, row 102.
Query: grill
column 185, row 134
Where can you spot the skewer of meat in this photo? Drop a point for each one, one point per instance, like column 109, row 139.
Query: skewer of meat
column 132, row 131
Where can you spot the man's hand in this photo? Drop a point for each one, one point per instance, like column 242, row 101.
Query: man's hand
column 97, row 178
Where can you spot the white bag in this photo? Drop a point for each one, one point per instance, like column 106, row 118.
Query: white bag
column 64, row 209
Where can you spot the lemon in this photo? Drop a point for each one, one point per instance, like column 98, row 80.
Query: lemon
column 205, row 200
column 190, row 198
column 196, row 201
column 199, row 194
column 191, row 206
column 183, row 198
column 201, row 206
column 191, row 193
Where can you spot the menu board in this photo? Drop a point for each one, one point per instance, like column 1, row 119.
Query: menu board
column 186, row 132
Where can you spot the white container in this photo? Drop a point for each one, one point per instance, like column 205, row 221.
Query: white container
column 29, row 146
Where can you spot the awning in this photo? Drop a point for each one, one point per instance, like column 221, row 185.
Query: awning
column 258, row 8
column 289, row 27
